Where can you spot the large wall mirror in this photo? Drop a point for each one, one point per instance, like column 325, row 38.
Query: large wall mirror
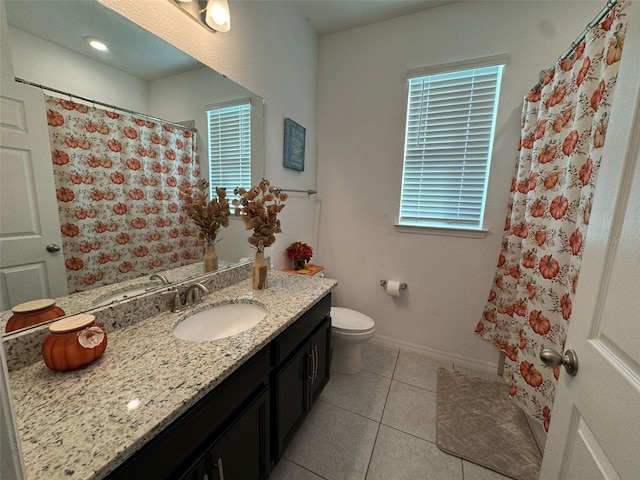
column 140, row 73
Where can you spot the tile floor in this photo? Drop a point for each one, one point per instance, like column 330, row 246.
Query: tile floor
column 379, row 424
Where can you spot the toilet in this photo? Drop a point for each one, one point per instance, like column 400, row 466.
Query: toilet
column 349, row 329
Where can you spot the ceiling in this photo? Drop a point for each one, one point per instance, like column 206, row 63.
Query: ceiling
column 66, row 23
column 331, row 16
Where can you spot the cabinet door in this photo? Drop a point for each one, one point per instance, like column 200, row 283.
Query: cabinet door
column 291, row 387
column 320, row 358
column 197, row 471
column 242, row 451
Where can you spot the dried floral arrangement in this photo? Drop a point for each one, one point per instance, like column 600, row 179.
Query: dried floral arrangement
column 300, row 251
column 259, row 207
column 208, row 215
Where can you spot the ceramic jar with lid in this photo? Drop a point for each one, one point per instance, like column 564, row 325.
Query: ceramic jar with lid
column 73, row 342
column 32, row 313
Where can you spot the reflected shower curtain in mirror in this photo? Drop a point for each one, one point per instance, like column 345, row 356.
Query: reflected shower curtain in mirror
column 117, row 184
column 563, row 130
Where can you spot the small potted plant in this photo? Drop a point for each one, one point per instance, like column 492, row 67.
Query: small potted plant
column 300, row 253
column 259, row 207
column 208, row 215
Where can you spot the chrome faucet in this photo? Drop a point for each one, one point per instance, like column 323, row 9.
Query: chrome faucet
column 193, row 294
column 158, row 276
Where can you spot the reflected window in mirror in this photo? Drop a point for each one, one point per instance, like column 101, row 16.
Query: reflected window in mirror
column 229, row 141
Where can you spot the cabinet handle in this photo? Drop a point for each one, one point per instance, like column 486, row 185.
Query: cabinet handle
column 315, row 370
column 220, row 468
column 310, row 375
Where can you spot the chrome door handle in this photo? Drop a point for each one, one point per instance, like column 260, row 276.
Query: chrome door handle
column 52, row 247
column 569, row 359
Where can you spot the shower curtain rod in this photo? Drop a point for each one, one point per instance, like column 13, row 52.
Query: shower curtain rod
column 607, row 8
column 94, row 102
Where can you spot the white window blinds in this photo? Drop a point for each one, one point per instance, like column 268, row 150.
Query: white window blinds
column 230, row 146
column 449, row 135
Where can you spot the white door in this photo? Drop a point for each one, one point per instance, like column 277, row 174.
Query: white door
column 28, row 207
column 595, row 424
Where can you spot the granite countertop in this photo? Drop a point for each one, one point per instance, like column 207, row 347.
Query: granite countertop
column 83, row 424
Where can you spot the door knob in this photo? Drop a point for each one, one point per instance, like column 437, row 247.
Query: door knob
column 52, row 247
column 569, row 359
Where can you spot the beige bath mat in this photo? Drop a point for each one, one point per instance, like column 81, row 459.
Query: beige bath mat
column 477, row 421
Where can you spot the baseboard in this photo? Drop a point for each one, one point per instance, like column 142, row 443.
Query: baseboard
column 458, row 360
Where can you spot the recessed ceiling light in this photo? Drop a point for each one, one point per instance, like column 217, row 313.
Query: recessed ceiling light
column 97, row 44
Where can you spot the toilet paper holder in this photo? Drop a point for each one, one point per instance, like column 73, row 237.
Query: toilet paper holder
column 383, row 283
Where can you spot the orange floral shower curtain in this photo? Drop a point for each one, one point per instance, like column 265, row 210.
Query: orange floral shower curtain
column 563, row 130
column 117, row 183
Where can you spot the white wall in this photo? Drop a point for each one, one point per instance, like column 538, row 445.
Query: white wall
column 361, row 119
column 270, row 50
column 46, row 63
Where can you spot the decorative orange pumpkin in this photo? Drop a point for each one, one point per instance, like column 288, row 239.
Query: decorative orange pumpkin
column 570, row 142
column 556, row 96
column 551, row 180
column 120, row 208
column 529, row 259
column 133, row 164
column 114, row 145
column 541, row 237
column 614, row 51
column 583, row 71
column 117, row 178
column 597, row 95
column 73, row 343
column 600, row 135
column 74, row 263
column 547, row 154
column 585, row 171
column 539, row 323
column 55, row 119
column 549, row 267
column 575, row 242
column 538, row 207
column 565, row 306
column 69, row 230
column 33, row 313
column 59, row 157
column 65, row 194
column 530, row 374
column 559, row 206
column 130, row 132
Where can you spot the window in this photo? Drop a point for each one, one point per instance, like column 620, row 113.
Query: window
column 451, row 116
column 229, row 146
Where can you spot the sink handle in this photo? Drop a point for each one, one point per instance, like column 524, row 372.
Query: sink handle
column 176, row 303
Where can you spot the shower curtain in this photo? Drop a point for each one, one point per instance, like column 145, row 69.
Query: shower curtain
column 117, row 184
column 563, row 129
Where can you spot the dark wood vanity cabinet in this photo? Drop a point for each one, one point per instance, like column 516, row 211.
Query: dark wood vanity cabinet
column 302, row 363
column 240, row 429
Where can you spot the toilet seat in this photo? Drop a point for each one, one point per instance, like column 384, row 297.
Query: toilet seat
column 345, row 320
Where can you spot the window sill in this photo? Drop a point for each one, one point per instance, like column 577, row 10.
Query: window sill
column 443, row 231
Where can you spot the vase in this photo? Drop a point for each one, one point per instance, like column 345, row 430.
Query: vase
column 32, row 313
column 259, row 271
column 73, row 343
column 210, row 259
column 299, row 263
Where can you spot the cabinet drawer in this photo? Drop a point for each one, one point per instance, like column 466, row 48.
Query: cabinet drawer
column 289, row 341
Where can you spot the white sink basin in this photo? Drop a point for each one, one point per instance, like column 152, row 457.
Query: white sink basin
column 123, row 294
column 219, row 321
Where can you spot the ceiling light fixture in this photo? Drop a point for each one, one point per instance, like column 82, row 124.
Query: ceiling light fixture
column 217, row 15
column 97, row 44
column 213, row 14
